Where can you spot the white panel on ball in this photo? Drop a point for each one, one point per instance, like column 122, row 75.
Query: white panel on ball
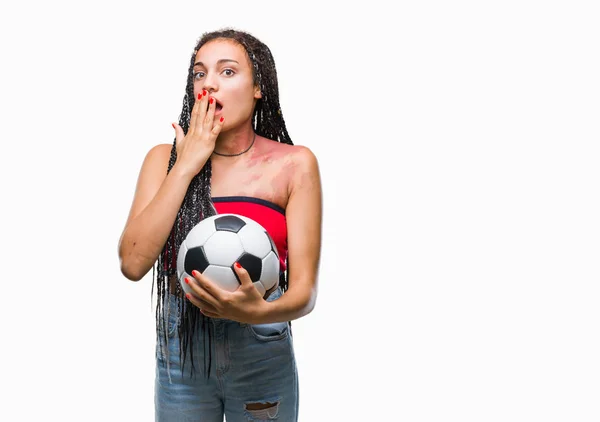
column 261, row 289
column 225, row 275
column 181, row 256
column 199, row 234
column 223, row 248
column 259, row 246
column 270, row 270
column 186, row 287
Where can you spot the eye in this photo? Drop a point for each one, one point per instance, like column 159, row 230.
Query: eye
column 230, row 72
column 198, row 75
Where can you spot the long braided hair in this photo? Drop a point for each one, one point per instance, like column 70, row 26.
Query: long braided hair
column 267, row 121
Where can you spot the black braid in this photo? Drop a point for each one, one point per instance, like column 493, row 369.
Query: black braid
column 268, row 122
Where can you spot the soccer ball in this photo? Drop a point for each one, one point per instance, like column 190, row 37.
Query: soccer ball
column 215, row 244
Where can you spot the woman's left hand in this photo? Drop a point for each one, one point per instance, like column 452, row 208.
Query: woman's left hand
column 244, row 305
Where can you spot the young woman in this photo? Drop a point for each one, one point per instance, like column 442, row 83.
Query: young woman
column 223, row 353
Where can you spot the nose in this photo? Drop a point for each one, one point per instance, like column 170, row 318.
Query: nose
column 210, row 82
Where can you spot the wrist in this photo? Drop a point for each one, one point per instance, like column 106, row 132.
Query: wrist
column 181, row 172
column 261, row 315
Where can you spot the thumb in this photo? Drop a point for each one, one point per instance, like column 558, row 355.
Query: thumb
column 178, row 132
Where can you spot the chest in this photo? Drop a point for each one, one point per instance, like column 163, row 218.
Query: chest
column 265, row 177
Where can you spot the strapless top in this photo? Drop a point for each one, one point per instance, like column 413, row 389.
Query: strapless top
column 269, row 215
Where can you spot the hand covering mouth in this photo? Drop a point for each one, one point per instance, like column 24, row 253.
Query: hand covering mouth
column 218, row 105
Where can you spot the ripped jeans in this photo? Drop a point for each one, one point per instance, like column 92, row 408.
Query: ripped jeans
column 253, row 374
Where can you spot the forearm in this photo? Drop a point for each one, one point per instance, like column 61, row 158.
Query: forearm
column 144, row 237
column 293, row 304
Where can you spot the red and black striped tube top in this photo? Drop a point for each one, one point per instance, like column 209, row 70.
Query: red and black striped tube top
column 269, row 215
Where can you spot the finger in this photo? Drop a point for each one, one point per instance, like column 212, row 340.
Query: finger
column 199, row 303
column 201, row 113
column 218, row 126
column 210, row 113
column 178, row 133
column 243, row 275
column 211, row 288
column 194, row 114
column 201, row 293
column 210, row 314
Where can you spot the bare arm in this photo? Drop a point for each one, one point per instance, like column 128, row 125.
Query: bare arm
column 157, row 200
column 304, row 216
column 159, row 196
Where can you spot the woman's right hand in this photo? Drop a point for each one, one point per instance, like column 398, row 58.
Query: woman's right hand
column 195, row 147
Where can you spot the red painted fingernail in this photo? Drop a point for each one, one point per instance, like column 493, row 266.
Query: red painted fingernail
column 200, row 96
column 237, row 264
column 187, row 280
column 211, row 100
column 221, row 119
column 187, row 295
column 204, row 92
column 194, row 273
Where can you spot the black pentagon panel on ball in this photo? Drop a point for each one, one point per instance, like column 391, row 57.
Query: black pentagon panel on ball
column 229, row 223
column 195, row 259
column 252, row 264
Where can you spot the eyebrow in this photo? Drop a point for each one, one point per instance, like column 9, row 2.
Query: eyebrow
column 218, row 62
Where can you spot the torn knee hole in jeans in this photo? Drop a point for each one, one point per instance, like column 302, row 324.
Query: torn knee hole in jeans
column 263, row 410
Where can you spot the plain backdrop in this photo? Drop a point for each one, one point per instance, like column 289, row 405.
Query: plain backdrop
column 458, row 148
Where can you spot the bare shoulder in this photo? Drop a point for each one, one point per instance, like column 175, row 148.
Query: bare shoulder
column 304, row 157
column 161, row 149
column 304, row 162
column 151, row 176
column 154, row 169
column 299, row 155
column 306, row 168
column 158, row 156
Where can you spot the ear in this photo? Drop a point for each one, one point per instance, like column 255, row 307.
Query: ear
column 257, row 93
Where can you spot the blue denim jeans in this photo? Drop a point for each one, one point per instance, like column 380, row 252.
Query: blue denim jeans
column 251, row 366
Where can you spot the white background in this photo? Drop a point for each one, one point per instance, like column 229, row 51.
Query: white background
column 458, row 145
